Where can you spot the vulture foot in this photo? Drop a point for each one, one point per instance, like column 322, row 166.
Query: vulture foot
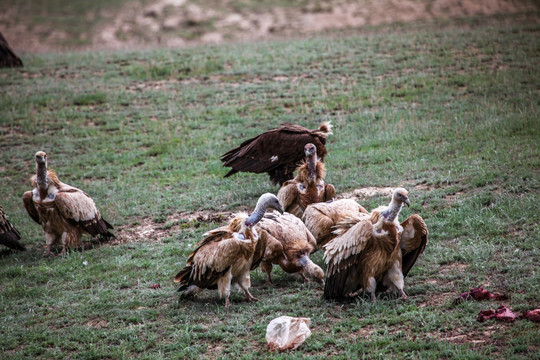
column 403, row 295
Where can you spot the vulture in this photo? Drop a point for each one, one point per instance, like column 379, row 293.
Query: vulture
column 7, row 56
column 227, row 254
column 277, row 152
column 9, row 236
column 374, row 248
column 307, row 187
column 288, row 244
column 64, row 212
column 320, row 218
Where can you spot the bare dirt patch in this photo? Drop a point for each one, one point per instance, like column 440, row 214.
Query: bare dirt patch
column 180, row 23
column 148, row 230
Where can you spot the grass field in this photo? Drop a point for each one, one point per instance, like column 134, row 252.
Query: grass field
column 450, row 113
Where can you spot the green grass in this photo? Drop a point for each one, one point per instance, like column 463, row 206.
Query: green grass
column 452, row 114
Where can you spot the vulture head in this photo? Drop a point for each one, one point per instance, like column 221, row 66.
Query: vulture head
column 313, row 270
column 265, row 201
column 401, row 196
column 310, row 149
column 41, row 158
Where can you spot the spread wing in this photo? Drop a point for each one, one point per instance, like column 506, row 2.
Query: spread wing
column 79, row 208
column 30, row 207
column 343, row 255
column 413, row 241
column 9, row 236
column 273, row 149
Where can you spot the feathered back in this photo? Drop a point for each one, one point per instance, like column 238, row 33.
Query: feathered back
column 277, row 152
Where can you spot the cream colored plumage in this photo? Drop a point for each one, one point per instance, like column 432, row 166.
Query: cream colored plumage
column 64, row 212
column 288, row 244
column 307, row 187
column 227, row 254
column 320, row 218
column 370, row 248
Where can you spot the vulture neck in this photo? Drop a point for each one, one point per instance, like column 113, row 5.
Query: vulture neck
column 42, row 180
column 391, row 213
column 311, row 162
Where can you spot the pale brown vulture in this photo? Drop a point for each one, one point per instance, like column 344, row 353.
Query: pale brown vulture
column 277, row 152
column 320, row 218
column 9, row 236
column 307, row 187
column 64, row 212
column 374, row 248
column 227, row 254
column 288, row 244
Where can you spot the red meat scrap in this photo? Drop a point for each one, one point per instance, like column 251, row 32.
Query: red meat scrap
column 479, row 293
column 502, row 313
column 533, row 315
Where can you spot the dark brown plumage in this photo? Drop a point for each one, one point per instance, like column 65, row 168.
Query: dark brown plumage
column 9, row 236
column 288, row 244
column 308, row 187
column 7, row 56
column 277, row 152
column 64, row 212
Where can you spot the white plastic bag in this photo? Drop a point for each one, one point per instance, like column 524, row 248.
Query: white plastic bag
column 287, row 332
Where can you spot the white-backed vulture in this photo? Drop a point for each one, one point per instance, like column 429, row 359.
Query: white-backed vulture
column 370, row 251
column 288, row 244
column 9, row 236
column 227, row 254
column 320, row 218
column 64, row 212
column 277, row 152
column 307, row 187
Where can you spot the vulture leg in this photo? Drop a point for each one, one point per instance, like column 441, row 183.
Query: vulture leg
column 370, row 288
column 49, row 240
column 224, row 287
column 266, row 267
column 244, row 284
column 63, row 239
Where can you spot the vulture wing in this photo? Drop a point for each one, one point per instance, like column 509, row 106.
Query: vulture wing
column 277, row 151
column 30, row 207
column 79, row 208
column 210, row 260
column 9, row 236
column 288, row 196
column 413, row 241
column 342, row 255
column 260, row 249
column 329, row 192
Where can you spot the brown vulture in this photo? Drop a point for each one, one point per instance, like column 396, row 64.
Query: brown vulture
column 9, row 236
column 277, row 152
column 64, row 212
column 307, row 187
column 320, row 218
column 7, row 56
column 374, row 248
column 288, row 244
column 227, row 254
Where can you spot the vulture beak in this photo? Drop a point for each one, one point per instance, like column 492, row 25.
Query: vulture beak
column 407, row 202
column 309, row 149
column 280, row 209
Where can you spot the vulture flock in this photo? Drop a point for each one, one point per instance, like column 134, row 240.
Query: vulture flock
column 369, row 251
